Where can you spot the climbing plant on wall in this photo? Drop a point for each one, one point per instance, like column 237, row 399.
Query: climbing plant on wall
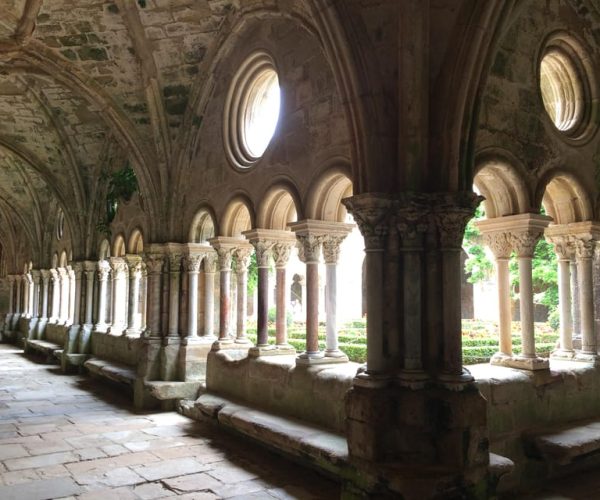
column 122, row 185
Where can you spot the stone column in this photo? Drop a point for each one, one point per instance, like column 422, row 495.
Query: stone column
column 89, row 268
column 575, row 309
column 154, row 265
column 281, row 256
column 242, row 261
column 331, row 254
column 30, row 294
column 55, row 276
column 36, row 309
column 174, row 285
column 309, row 248
column 451, row 212
column 372, row 212
column 564, row 251
column 119, row 295
column 45, row 292
column 224, row 247
column 18, row 302
column 25, row 306
column 73, row 299
column 11, row 294
column 192, row 266
column 584, row 252
column 134, row 317
column 103, row 273
column 524, row 242
column 263, row 257
column 501, row 246
column 77, row 274
column 210, row 268
column 64, row 295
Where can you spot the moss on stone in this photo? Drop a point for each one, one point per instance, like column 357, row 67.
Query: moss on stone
column 69, row 54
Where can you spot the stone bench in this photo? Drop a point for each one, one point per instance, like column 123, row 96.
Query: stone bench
column 563, row 446
column 110, row 370
column 293, row 437
column 46, row 348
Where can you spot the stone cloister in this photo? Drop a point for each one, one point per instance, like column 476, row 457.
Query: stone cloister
column 161, row 159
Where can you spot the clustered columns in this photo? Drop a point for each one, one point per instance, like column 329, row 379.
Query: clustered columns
column 271, row 244
column 311, row 236
column 55, row 277
column 242, row 262
column 520, row 233
column 154, row 265
column 119, row 270
column 90, row 270
column 137, row 272
column 103, row 274
column 198, row 255
column 574, row 244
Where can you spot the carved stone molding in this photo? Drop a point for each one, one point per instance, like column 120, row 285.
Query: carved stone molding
column 175, row 262
column 119, row 267
column 264, row 251
column 563, row 246
column 450, row 213
column 584, row 246
column 103, row 270
column 225, row 258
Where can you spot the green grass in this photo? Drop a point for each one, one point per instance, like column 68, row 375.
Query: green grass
column 479, row 340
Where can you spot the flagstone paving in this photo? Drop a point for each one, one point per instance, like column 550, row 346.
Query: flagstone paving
column 68, row 436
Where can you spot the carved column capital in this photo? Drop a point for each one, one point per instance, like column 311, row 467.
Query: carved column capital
column 499, row 243
column 210, row 263
column 103, row 270
column 119, row 267
column 137, row 269
column 224, row 258
column 372, row 212
column 264, row 251
column 331, row 247
column 54, row 276
column 36, row 275
column 309, row 247
column 192, row 263
column 242, row 259
column 46, row 274
column 584, row 246
column 412, row 218
column 154, row 263
column 563, row 246
column 524, row 241
column 175, row 262
column 281, row 253
column 450, row 213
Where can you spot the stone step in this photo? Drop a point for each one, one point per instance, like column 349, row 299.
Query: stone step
column 111, row 370
column 564, row 445
column 290, row 436
column 165, row 391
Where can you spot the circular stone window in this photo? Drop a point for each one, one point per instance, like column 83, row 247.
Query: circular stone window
column 565, row 86
column 251, row 110
column 60, row 225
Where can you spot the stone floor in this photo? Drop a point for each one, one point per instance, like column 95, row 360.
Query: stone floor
column 72, row 437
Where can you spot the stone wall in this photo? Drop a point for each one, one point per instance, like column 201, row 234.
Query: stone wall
column 121, row 349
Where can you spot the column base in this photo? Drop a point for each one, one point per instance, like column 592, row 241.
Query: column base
column 223, row 344
column 286, row 349
column 318, row 358
column 522, row 363
column 587, row 357
column 132, row 332
column 368, row 380
column 100, row 327
column 243, row 341
column 335, row 353
column 412, row 379
column 562, row 354
column 262, row 350
column 116, row 330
